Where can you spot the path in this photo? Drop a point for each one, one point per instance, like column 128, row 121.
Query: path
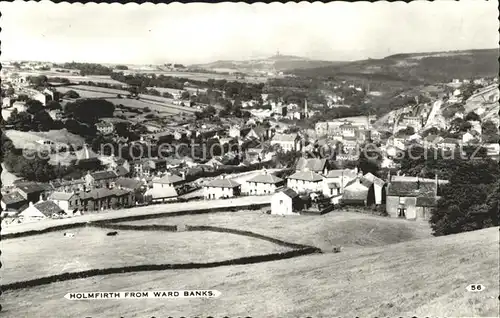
column 143, row 210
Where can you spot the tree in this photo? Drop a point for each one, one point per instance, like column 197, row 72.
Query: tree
column 42, row 121
column 10, row 91
column 20, row 121
column 369, row 160
column 121, row 67
column 408, row 131
column 185, row 95
column 167, row 95
column 39, row 80
column 472, row 116
column 72, row 94
column 53, row 105
column 34, row 106
column 490, row 132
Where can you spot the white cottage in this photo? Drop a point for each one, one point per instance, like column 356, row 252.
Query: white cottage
column 285, row 202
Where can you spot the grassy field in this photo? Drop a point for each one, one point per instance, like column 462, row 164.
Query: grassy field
column 23, row 139
column 52, row 253
column 423, row 278
column 349, row 230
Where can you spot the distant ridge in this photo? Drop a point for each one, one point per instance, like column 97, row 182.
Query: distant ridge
column 414, row 67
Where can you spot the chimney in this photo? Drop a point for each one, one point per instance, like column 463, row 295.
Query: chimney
column 30, row 204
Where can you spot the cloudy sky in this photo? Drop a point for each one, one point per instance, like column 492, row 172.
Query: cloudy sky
column 198, row 33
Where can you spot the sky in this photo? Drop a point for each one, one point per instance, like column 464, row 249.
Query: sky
column 201, row 33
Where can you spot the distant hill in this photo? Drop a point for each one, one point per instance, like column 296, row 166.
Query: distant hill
column 271, row 64
column 414, row 67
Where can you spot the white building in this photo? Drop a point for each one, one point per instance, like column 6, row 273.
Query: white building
column 221, row 188
column 305, row 181
column 262, row 184
column 284, row 202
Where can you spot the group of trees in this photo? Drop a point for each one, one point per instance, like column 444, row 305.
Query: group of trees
column 88, row 68
column 89, row 111
column 470, row 200
column 36, row 117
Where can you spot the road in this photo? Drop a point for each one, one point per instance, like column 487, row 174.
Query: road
column 143, row 210
column 435, row 108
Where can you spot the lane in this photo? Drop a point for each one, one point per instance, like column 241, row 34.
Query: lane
column 143, row 210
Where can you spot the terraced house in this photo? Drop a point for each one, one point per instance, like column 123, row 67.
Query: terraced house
column 104, row 199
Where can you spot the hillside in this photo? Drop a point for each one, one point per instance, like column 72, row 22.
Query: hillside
column 414, row 68
column 271, row 64
column 421, row 278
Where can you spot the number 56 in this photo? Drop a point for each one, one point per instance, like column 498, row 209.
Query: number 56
column 475, row 287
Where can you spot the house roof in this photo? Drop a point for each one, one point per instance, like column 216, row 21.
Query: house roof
column 374, row 179
column 13, row 197
column 285, row 137
column 129, row 183
column 360, row 180
column 48, row 208
column 426, row 201
column 223, row 183
column 289, row 192
column 121, row 171
column 162, row 193
column 355, row 193
column 63, row 196
column 314, row 164
column 433, row 138
column 102, row 193
column 169, row 179
column 31, row 187
column 341, row 172
column 306, row 176
column 412, row 188
column 102, row 175
column 266, row 178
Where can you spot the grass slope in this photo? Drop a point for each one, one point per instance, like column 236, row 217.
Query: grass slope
column 91, row 249
column 349, row 230
column 423, row 277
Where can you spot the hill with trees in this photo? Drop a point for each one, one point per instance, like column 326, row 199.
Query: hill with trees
column 418, row 68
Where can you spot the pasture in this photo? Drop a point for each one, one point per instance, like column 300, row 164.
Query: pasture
column 420, row 278
column 22, row 139
column 347, row 229
column 53, row 253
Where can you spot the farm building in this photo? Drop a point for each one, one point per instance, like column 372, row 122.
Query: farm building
column 40, row 211
column 379, row 187
column 412, row 197
column 262, row 184
column 359, row 191
column 285, row 202
column 221, row 188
